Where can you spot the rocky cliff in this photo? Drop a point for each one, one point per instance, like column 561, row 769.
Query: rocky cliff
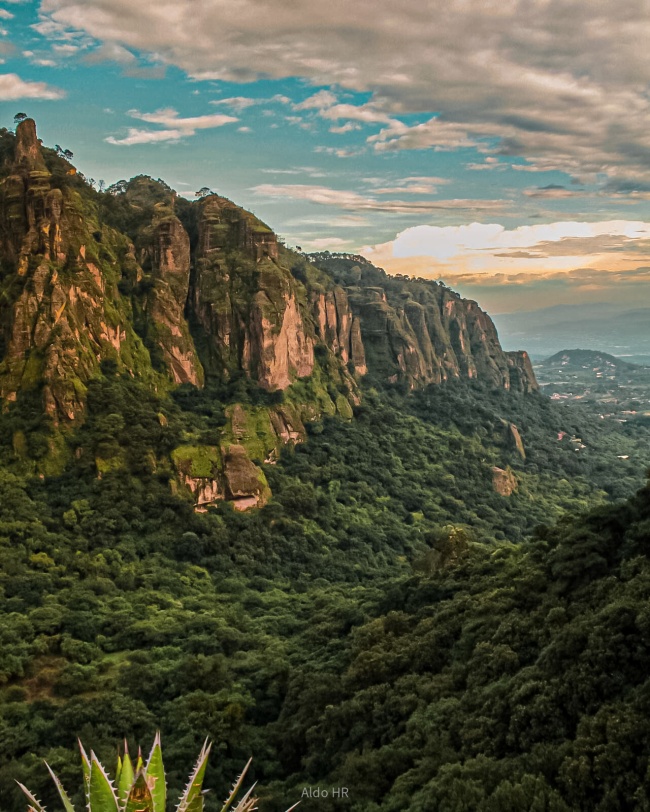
column 173, row 292
column 61, row 312
column 419, row 332
column 249, row 308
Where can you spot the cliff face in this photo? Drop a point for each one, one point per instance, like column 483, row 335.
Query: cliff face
column 165, row 305
column 247, row 304
column 61, row 313
column 173, row 292
column 420, row 332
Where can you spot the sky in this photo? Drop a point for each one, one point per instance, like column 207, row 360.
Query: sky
column 500, row 145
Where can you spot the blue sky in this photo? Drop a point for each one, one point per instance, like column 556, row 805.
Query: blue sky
column 503, row 146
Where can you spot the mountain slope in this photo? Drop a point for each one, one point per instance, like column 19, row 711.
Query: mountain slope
column 202, row 294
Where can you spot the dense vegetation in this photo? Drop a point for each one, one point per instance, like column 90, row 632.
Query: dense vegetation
column 385, row 623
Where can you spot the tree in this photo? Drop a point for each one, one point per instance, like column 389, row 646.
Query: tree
column 19, row 117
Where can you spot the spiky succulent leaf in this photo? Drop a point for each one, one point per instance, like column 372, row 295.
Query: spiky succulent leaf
column 247, row 803
column 35, row 804
column 67, row 803
column 102, row 794
column 85, row 766
column 139, row 799
column 156, row 776
column 235, row 787
column 139, row 763
column 192, row 798
column 118, row 769
column 126, row 779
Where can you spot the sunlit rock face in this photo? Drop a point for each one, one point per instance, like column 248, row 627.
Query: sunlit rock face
column 420, row 332
column 61, row 312
column 177, row 293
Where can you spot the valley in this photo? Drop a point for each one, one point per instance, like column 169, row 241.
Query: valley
column 310, row 510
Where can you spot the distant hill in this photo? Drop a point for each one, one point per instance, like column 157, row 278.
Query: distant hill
column 588, row 359
column 603, row 327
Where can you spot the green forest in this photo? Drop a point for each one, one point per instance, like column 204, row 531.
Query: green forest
column 414, row 576
column 387, row 623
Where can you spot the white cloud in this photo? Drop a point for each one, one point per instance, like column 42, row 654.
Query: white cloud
column 416, row 185
column 319, row 101
column 12, row 87
column 236, row 102
column 111, row 52
column 561, row 83
column 170, row 118
column 244, row 102
column 136, row 136
column 339, row 152
column 176, row 127
column 488, row 164
column 66, row 49
column 522, row 253
column 353, row 201
column 349, row 126
column 326, row 243
column 5, row 14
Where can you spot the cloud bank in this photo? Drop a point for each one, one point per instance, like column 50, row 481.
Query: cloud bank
column 561, row 83
column 12, row 88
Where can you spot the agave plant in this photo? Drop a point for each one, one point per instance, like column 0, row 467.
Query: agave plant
column 142, row 788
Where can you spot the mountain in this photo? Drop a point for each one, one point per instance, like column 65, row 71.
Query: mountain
column 588, row 360
column 608, row 386
column 607, row 328
column 136, row 281
column 399, row 617
column 421, row 331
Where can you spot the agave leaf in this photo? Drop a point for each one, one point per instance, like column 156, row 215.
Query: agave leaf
column 35, row 804
column 192, row 798
column 102, row 794
column 236, row 786
column 85, row 766
column 139, row 763
column 126, row 779
column 291, row 808
column 118, row 769
column 248, row 802
column 156, row 776
column 67, row 803
column 139, row 799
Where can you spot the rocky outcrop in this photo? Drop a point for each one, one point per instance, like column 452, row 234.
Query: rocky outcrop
column 165, row 306
column 522, row 375
column 513, row 439
column 420, row 332
column 246, row 484
column 171, row 292
column 60, row 311
column 251, row 311
column 504, row 482
column 212, row 474
column 338, row 328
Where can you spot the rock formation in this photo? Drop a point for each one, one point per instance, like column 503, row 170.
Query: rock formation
column 246, row 303
column 420, row 332
column 504, row 482
column 170, row 260
column 61, row 313
column 172, row 292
